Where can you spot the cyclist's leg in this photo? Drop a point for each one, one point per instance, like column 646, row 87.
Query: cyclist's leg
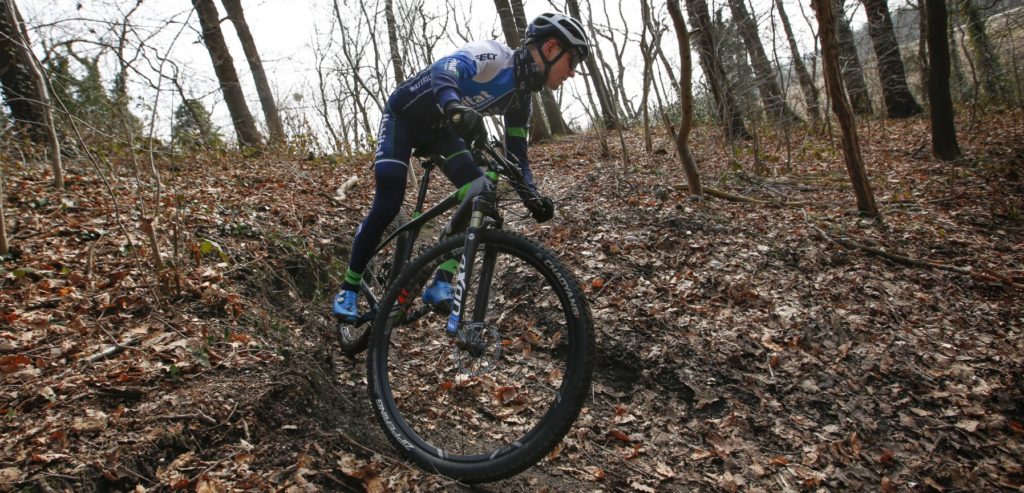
column 463, row 172
column 390, row 171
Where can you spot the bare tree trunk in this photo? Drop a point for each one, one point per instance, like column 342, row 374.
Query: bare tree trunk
column 16, row 77
column 42, row 90
column 685, row 100
column 806, row 82
column 991, row 71
column 396, row 56
column 899, row 102
column 922, row 44
column 4, row 247
column 767, row 83
column 725, row 102
column 853, row 72
column 597, row 122
column 645, row 50
column 944, row 144
column 608, row 111
column 668, row 68
column 323, row 107
column 259, row 76
column 842, row 108
column 224, row 67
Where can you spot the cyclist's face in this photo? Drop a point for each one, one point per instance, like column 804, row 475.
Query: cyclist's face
column 563, row 68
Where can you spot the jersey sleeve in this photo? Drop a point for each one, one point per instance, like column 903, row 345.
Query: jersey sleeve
column 479, row 62
column 517, row 120
column 446, row 73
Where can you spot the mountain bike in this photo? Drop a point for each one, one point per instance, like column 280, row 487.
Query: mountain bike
column 484, row 388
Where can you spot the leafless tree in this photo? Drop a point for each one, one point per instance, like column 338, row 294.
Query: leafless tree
column 852, row 70
column 224, row 66
column 992, row 79
column 725, row 101
column 944, row 143
column 842, row 108
column 810, row 91
column 647, row 51
column 608, row 110
column 899, row 102
column 396, row 55
column 767, row 82
column 685, row 100
column 19, row 42
column 274, row 126
column 4, row 248
column 16, row 78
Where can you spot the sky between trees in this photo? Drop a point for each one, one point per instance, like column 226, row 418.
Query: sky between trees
column 288, row 33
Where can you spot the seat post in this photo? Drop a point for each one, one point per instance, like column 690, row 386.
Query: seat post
column 428, row 165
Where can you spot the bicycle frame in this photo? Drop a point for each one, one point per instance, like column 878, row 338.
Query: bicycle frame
column 481, row 210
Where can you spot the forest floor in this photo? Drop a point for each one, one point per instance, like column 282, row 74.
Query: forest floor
column 740, row 346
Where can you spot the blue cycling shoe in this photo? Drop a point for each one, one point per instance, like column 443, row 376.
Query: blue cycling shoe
column 438, row 293
column 346, row 306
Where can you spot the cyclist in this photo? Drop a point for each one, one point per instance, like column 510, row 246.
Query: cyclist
column 440, row 111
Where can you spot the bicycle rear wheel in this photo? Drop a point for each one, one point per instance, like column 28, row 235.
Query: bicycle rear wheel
column 487, row 408
column 380, row 272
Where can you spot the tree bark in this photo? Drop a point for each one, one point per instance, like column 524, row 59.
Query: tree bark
column 4, row 247
column 922, row 43
column 767, row 83
column 944, row 143
column 685, row 100
column 853, row 72
column 842, row 108
column 899, row 102
column 274, row 126
column 730, row 118
column 806, row 82
column 396, row 56
column 224, row 67
column 608, row 111
column 42, row 89
column 646, row 52
column 16, row 80
column 991, row 72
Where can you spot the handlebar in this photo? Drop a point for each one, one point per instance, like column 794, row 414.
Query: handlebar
column 486, row 153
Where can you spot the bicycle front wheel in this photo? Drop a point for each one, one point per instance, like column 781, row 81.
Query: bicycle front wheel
column 494, row 400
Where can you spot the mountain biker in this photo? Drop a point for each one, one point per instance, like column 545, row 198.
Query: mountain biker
column 440, row 111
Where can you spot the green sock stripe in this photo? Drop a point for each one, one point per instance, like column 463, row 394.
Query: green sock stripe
column 516, row 132
column 449, row 266
column 352, row 277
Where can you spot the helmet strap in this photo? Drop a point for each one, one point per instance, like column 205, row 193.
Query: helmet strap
column 529, row 77
column 548, row 64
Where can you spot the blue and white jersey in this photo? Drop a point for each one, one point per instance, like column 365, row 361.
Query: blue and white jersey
column 482, row 76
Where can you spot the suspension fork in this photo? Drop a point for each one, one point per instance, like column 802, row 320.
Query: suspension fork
column 484, row 206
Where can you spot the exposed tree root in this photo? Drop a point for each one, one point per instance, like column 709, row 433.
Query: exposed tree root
column 912, row 262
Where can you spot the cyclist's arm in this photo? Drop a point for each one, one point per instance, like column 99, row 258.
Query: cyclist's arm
column 446, row 73
column 517, row 120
